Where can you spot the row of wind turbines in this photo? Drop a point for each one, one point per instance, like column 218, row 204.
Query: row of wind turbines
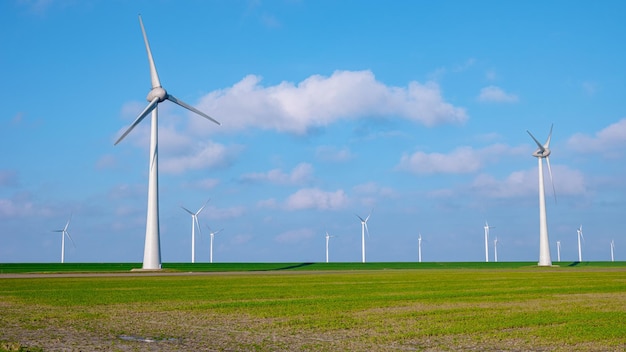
column 157, row 95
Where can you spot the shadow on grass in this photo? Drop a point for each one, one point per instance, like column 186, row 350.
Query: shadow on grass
column 294, row 266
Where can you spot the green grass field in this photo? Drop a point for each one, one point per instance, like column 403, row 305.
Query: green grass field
column 327, row 307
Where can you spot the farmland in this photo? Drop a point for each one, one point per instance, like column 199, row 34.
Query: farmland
column 317, row 306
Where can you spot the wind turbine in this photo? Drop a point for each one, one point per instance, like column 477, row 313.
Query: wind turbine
column 579, row 232
column 558, row 251
column 194, row 224
column 487, row 227
column 612, row 250
column 64, row 233
column 152, row 248
column 543, row 152
column 212, row 234
column 327, row 240
column 419, row 248
column 495, row 249
column 363, row 229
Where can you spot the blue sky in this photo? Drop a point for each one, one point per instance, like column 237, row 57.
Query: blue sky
column 415, row 109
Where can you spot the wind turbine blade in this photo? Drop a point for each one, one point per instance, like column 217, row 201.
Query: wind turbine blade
column 551, row 181
column 205, row 203
column 190, row 108
column 154, row 76
column 541, row 147
column 547, row 143
column 218, row 231
column 70, row 237
column 195, row 219
column 367, row 230
column 151, row 106
column 187, row 210
column 360, row 218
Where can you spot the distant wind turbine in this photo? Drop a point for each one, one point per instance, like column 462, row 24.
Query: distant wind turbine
column 194, row 224
column 612, row 250
column 152, row 248
column 212, row 234
column 64, row 233
column 580, row 236
column 363, row 229
column 327, row 240
column 543, row 152
column 558, row 251
column 495, row 249
column 487, row 227
column 419, row 248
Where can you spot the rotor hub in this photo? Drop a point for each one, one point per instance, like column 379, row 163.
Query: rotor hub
column 539, row 154
column 158, row 92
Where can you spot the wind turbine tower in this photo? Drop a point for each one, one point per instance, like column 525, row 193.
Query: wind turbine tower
column 327, row 240
column 579, row 232
column 612, row 250
column 543, row 152
column 212, row 234
column 64, row 233
column 495, row 249
column 558, row 251
column 194, row 224
column 152, row 248
column 363, row 229
column 487, row 227
column 419, row 248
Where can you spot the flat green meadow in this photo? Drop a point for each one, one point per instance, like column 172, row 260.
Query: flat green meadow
column 318, row 306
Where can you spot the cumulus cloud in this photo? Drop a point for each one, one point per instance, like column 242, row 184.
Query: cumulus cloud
column 459, row 161
column 332, row 154
column 203, row 155
column 319, row 101
column 302, row 173
column 523, row 183
column 293, row 236
column 314, row 198
column 8, row 178
column 607, row 141
column 493, row 94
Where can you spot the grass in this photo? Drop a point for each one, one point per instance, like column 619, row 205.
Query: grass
column 459, row 306
column 11, row 268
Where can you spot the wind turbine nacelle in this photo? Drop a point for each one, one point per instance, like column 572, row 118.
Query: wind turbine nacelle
column 157, row 93
column 538, row 154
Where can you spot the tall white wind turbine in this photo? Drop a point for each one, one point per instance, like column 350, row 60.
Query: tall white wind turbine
column 194, row 224
column 579, row 232
column 212, row 234
column 487, row 227
column 419, row 248
column 363, row 229
column 612, row 250
column 558, row 251
column 495, row 249
column 543, row 152
column 64, row 233
column 327, row 240
column 152, row 248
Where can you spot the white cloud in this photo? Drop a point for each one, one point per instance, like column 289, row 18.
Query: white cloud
column 495, row 94
column 215, row 213
column 319, row 101
column 8, row 178
column 302, row 173
column 203, row 155
column 314, row 198
column 524, row 183
column 294, row 236
column 608, row 141
column 459, row 161
column 332, row 154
